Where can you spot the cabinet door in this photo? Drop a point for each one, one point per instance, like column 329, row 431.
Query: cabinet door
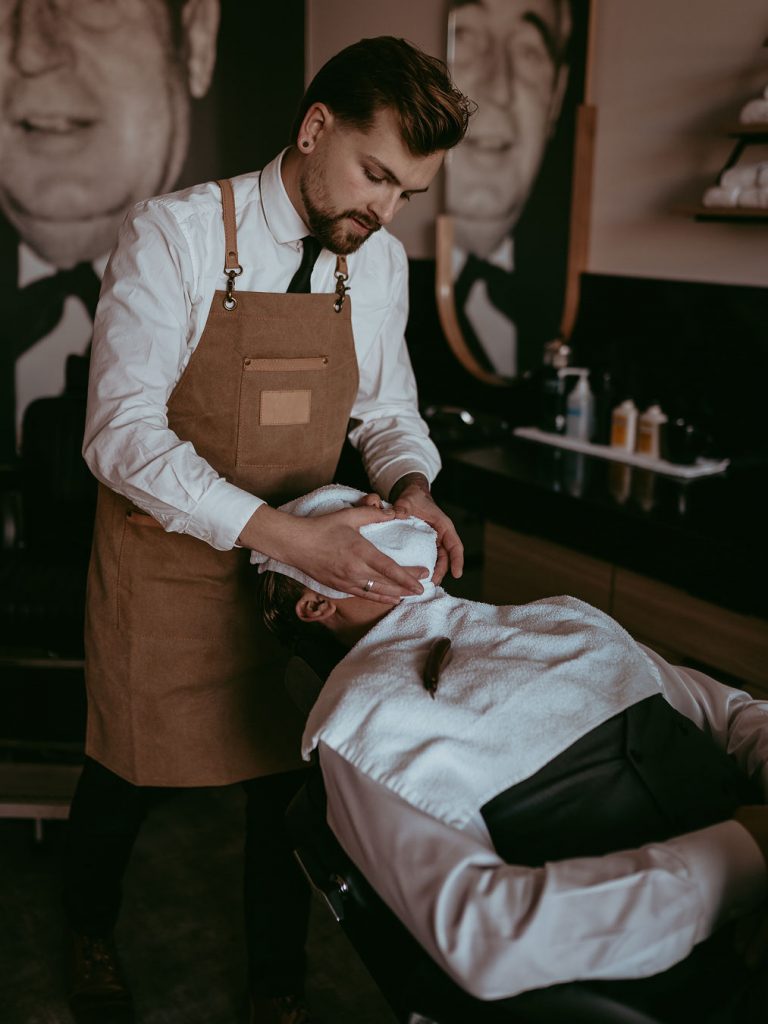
column 520, row 568
column 665, row 617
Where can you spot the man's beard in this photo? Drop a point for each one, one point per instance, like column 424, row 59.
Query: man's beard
column 328, row 227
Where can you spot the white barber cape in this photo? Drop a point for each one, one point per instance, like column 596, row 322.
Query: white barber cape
column 406, row 777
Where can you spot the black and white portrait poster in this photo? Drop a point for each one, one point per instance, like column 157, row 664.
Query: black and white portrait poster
column 104, row 103
column 508, row 184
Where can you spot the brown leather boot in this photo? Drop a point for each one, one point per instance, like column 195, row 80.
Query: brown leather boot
column 98, row 991
column 280, row 1010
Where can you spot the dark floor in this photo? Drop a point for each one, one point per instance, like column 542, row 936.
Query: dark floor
column 180, row 934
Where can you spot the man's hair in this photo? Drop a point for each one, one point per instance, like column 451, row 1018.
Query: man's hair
column 389, row 73
column 277, row 597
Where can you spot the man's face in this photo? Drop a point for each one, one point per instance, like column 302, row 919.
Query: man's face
column 352, row 182
column 505, row 59
column 94, row 109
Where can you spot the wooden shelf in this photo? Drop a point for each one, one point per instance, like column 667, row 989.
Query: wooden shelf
column 734, row 213
column 749, row 131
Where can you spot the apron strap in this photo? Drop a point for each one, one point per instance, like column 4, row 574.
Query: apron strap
column 231, row 261
column 232, row 266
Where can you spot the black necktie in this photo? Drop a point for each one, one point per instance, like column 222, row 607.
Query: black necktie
column 300, row 282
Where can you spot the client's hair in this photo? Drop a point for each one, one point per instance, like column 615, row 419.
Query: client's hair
column 277, row 597
column 311, row 641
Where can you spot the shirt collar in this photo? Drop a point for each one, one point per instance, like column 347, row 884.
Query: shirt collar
column 281, row 216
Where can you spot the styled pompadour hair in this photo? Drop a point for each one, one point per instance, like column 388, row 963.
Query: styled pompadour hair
column 392, row 74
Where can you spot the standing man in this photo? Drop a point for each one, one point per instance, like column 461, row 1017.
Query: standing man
column 95, row 100
column 511, row 58
column 214, row 395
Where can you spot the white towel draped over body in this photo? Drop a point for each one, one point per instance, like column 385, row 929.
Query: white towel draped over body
column 522, row 683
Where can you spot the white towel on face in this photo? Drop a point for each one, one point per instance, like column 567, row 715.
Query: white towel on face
column 408, row 541
column 522, row 684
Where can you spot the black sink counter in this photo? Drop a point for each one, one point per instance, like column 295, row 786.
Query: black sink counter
column 706, row 536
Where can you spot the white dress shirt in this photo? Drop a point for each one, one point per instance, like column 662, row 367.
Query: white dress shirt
column 157, row 292
column 500, row 929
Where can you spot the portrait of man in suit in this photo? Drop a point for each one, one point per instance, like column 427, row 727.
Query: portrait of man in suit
column 95, row 100
column 512, row 57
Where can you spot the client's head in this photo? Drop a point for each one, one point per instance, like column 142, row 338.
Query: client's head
column 294, row 606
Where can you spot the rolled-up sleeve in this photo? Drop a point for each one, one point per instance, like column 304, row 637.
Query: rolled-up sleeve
column 392, row 437
column 500, row 929
column 143, row 335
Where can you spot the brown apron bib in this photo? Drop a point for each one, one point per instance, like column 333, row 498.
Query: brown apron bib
column 184, row 683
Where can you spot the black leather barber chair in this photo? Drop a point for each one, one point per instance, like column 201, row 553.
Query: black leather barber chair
column 418, row 991
column 48, row 509
column 48, row 500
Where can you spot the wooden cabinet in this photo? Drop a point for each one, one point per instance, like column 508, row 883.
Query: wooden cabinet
column 684, row 629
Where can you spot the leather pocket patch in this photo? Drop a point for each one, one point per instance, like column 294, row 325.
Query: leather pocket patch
column 284, row 408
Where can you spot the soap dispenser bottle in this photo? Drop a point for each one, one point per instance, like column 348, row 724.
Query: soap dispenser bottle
column 579, row 406
column 551, row 411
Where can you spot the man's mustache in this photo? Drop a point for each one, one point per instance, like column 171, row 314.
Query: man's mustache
column 364, row 219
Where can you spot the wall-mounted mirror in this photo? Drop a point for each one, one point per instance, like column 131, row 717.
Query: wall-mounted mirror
column 513, row 239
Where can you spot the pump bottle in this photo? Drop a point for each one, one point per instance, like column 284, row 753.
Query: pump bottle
column 579, row 405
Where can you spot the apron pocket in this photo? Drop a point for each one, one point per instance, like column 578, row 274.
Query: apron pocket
column 177, row 587
column 289, row 411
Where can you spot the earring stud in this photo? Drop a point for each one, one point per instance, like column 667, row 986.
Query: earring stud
column 305, row 144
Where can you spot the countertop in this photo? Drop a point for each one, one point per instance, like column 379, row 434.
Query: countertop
column 706, row 536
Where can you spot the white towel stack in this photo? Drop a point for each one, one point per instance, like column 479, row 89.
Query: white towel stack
column 742, row 185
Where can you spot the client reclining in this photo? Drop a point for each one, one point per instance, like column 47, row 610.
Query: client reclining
column 566, row 806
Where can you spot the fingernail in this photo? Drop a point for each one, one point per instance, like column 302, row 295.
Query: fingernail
column 388, row 511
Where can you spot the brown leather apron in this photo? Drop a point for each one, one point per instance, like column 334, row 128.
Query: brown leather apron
column 184, row 683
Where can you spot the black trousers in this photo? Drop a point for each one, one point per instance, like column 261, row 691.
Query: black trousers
column 106, row 815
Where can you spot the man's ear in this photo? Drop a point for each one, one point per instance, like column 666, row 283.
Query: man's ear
column 200, row 22
column 313, row 607
column 317, row 120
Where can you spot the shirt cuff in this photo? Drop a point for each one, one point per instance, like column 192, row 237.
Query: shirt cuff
column 383, row 482
column 729, row 867
column 221, row 515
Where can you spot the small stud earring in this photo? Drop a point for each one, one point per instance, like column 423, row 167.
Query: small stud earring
column 305, row 144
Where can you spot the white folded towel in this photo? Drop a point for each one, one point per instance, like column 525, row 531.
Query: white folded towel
column 521, row 684
column 740, row 176
column 755, row 111
column 757, row 197
column 408, row 541
column 718, row 195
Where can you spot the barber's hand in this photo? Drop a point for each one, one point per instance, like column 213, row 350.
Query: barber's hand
column 410, row 496
column 331, row 550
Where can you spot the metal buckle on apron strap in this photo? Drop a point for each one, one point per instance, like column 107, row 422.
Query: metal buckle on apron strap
column 342, row 277
column 229, row 302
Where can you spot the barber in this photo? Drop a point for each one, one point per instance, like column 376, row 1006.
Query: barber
column 243, row 326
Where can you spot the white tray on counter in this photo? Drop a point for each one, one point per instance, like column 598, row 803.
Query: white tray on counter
column 702, row 467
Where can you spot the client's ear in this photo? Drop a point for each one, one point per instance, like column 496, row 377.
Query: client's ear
column 313, row 607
